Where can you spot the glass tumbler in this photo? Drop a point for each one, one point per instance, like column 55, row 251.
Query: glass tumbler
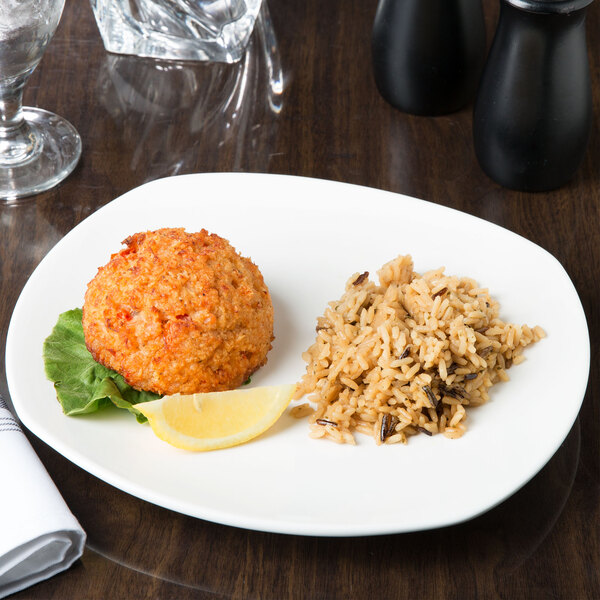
column 209, row 30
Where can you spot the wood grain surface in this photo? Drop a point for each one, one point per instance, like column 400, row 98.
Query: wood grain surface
column 140, row 120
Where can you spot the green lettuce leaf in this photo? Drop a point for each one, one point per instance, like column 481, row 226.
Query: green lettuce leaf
column 82, row 385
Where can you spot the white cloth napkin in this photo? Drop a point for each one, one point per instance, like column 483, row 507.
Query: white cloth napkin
column 39, row 536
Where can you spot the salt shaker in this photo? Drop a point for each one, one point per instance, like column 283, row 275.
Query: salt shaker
column 533, row 110
column 428, row 54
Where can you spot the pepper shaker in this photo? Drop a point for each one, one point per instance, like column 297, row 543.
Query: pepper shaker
column 428, row 54
column 533, row 110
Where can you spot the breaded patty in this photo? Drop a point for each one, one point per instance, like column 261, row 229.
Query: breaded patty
column 178, row 312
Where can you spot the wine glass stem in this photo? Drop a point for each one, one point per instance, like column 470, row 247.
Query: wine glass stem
column 18, row 142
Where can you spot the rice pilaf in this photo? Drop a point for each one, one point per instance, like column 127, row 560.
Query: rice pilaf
column 407, row 356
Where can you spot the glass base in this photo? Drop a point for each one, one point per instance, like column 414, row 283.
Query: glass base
column 177, row 30
column 58, row 148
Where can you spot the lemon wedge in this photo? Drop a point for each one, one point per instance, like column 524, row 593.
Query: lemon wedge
column 216, row 420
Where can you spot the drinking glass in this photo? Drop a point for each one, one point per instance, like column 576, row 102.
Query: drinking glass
column 38, row 149
column 207, row 30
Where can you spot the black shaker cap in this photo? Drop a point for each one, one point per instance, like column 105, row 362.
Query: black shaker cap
column 550, row 6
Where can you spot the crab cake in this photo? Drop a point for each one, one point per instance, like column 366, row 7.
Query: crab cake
column 177, row 312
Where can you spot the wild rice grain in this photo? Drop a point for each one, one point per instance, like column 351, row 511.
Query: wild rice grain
column 388, row 358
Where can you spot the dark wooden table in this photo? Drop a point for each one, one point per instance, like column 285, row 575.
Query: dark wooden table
column 139, row 121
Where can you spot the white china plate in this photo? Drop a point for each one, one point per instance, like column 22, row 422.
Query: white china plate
column 308, row 236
